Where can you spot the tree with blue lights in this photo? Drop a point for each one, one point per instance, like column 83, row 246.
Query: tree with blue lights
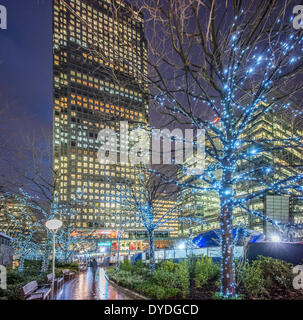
column 221, row 66
column 141, row 202
column 39, row 195
column 149, row 201
column 24, row 231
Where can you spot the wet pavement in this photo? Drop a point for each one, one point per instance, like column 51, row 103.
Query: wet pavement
column 83, row 287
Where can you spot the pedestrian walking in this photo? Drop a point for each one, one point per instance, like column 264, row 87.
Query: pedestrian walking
column 94, row 266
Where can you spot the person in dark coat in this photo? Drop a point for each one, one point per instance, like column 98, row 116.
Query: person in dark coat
column 94, row 266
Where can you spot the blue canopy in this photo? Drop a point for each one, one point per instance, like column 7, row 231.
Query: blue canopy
column 212, row 238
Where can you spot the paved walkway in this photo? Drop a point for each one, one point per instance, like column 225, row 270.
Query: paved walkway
column 82, row 287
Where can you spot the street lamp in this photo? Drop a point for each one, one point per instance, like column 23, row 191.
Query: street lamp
column 53, row 225
column 275, row 238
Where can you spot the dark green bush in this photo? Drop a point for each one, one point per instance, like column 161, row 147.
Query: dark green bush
column 167, row 282
column 12, row 293
column 182, row 277
column 173, row 275
column 126, row 266
column 153, row 290
column 205, row 271
column 163, row 277
column 191, row 262
column 251, row 278
column 264, row 277
column 14, row 277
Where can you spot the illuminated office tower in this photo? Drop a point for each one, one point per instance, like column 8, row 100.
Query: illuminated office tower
column 99, row 66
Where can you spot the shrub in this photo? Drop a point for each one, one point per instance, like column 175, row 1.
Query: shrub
column 264, row 276
column 251, row 278
column 171, row 275
column 139, row 264
column 205, row 271
column 155, row 291
column 14, row 277
column 168, row 266
column 277, row 273
column 126, row 266
column 161, row 285
column 182, row 277
column 191, row 262
column 12, row 293
column 142, row 269
column 72, row 266
column 164, row 278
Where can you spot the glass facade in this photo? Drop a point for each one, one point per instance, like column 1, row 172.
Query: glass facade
column 99, row 62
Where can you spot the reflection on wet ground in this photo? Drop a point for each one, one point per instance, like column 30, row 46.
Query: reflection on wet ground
column 84, row 287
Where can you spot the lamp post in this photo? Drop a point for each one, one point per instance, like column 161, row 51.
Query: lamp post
column 53, row 225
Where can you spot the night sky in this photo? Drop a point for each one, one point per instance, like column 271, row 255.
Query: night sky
column 26, row 64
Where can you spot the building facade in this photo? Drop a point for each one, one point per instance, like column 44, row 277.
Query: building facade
column 99, row 66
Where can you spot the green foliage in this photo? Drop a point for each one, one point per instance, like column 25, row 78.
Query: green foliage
column 139, row 265
column 12, row 293
column 168, row 280
column 191, row 262
column 173, row 275
column 155, row 291
column 251, row 277
column 14, row 277
column 126, row 266
column 32, row 267
column 60, row 266
column 141, row 269
column 182, row 277
column 164, row 278
column 127, row 279
column 262, row 278
column 265, row 276
column 168, row 266
column 205, row 271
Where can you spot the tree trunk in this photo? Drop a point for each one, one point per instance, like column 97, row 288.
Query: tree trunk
column 152, row 263
column 67, row 245
column 45, row 261
column 226, row 225
column 21, row 263
column 118, row 253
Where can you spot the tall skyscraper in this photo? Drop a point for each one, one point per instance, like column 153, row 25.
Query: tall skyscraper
column 99, row 63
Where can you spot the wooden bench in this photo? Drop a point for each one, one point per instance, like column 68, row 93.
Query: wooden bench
column 67, row 274
column 58, row 281
column 32, row 291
